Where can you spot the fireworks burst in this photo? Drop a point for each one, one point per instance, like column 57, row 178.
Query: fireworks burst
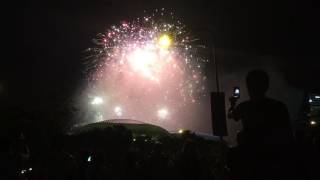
column 144, row 63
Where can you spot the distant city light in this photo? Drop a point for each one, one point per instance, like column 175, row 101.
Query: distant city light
column 313, row 122
column 180, row 131
column 310, row 100
column 118, row 111
column 163, row 113
column 97, row 100
column 317, row 97
column 89, row 159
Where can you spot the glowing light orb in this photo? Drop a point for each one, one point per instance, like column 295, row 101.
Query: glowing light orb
column 97, row 100
column 313, row 123
column 163, row 113
column 180, row 131
column 118, row 111
column 164, row 41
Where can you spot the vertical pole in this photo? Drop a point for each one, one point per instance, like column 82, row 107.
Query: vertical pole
column 216, row 66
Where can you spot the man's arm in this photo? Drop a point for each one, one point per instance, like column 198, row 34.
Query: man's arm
column 235, row 112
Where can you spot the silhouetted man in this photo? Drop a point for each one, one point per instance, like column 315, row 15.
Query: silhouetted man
column 266, row 132
column 265, row 121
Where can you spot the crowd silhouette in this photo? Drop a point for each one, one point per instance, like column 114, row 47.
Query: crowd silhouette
column 266, row 149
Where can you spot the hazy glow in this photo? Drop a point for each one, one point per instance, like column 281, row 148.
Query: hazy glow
column 163, row 113
column 180, row 131
column 99, row 117
column 118, row 111
column 145, row 62
column 97, row 100
column 313, row 122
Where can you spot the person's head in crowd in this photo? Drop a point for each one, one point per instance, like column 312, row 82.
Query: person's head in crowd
column 257, row 83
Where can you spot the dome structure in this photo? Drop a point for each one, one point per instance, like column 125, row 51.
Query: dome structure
column 137, row 128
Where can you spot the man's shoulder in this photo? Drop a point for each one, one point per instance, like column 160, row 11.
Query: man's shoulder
column 265, row 101
column 274, row 102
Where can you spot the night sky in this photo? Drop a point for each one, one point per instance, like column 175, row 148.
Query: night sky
column 46, row 40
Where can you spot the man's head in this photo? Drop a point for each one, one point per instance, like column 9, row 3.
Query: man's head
column 257, row 83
